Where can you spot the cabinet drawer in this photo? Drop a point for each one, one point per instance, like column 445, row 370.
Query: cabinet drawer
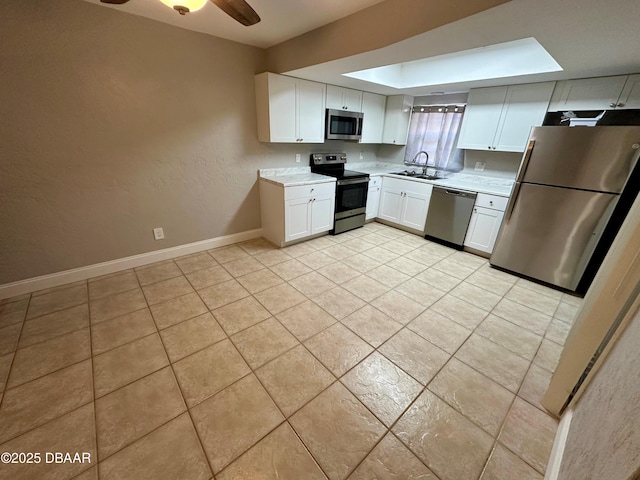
column 304, row 191
column 375, row 182
column 492, row 201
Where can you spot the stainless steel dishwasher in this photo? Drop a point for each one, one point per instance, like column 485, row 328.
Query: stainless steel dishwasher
column 449, row 214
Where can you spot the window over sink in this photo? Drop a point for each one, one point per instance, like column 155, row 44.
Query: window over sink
column 434, row 130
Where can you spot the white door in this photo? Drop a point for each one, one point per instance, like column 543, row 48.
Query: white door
column 587, row 94
column 414, row 211
column 297, row 222
column 630, row 96
column 481, row 118
column 373, row 202
column 372, row 117
column 525, row 107
column 483, row 229
column 310, row 111
column 282, row 109
column 390, row 208
column 322, row 208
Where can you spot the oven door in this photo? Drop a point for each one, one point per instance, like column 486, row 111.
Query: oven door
column 351, row 197
column 342, row 125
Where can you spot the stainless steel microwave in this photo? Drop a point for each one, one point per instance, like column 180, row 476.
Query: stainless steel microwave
column 343, row 125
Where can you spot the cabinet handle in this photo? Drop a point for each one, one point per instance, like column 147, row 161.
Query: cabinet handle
column 475, row 210
column 612, row 105
column 494, row 148
column 620, row 105
column 490, row 202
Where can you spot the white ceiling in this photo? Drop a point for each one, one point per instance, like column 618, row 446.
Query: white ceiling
column 280, row 19
column 586, row 37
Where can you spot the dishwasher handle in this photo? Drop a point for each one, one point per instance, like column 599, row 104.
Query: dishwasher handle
column 457, row 193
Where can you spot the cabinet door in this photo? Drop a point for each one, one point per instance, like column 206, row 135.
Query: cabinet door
column 630, row 96
column 481, row 118
column 390, row 206
column 396, row 119
column 483, row 229
column 340, row 98
column 322, row 208
column 352, row 99
column 373, row 202
column 282, row 109
column 310, row 111
column 587, row 94
column 414, row 210
column 525, row 107
column 297, row 222
column 372, row 117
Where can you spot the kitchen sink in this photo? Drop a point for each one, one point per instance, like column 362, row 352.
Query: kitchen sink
column 416, row 175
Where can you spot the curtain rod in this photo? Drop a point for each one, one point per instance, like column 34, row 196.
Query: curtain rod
column 438, row 108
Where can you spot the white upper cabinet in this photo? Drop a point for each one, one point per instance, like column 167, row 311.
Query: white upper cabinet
column 373, row 106
column 340, row 98
column 396, row 119
column 481, row 118
column 601, row 93
column 524, row 107
column 290, row 110
column 500, row 118
column 630, row 96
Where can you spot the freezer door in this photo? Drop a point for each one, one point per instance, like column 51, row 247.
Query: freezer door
column 589, row 158
column 549, row 233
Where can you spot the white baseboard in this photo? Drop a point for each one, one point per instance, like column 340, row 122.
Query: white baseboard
column 557, row 452
column 60, row 278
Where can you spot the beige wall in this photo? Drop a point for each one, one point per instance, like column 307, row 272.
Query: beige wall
column 113, row 124
column 378, row 26
column 604, row 435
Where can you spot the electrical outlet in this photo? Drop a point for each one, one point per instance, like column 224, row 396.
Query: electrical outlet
column 297, row 158
column 479, row 166
column 158, row 233
column 361, row 156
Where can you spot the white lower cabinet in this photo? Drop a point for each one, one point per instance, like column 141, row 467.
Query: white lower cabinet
column 486, row 219
column 293, row 213
column 405, row 202
column 373, row 197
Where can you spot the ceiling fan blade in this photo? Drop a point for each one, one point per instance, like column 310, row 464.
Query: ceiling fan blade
column 114, row 2
column 239, row 10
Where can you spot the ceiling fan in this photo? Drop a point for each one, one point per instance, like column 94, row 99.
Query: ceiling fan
column 239, row 10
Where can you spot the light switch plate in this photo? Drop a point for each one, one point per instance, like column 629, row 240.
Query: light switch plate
column 158, row 233
column 479, row 166
column 297, row 158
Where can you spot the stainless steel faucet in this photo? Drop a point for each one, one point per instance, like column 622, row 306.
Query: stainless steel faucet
column 426, row 161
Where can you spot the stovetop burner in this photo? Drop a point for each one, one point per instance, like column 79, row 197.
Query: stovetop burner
column 332, row 164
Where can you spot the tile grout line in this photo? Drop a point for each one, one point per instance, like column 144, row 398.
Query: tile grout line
column 93, row 384
column 175, row 379
column 6, row 382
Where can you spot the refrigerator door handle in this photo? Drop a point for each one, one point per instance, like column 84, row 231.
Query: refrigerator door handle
column 512, row 200
column 525, row 160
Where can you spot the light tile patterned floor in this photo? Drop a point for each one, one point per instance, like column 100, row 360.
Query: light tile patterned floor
column 372, row 354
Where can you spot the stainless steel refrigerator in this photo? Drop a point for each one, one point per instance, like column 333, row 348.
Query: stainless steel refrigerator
column 572, row 192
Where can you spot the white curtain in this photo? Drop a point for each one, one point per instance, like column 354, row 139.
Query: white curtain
column 435, row 129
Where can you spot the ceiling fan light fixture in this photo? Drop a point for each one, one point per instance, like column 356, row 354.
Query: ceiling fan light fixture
column 185, row 6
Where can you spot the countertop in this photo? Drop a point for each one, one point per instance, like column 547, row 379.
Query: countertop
column 464, row 181
column 294, row 176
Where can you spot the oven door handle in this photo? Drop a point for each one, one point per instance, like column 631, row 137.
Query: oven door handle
column 353, row 182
